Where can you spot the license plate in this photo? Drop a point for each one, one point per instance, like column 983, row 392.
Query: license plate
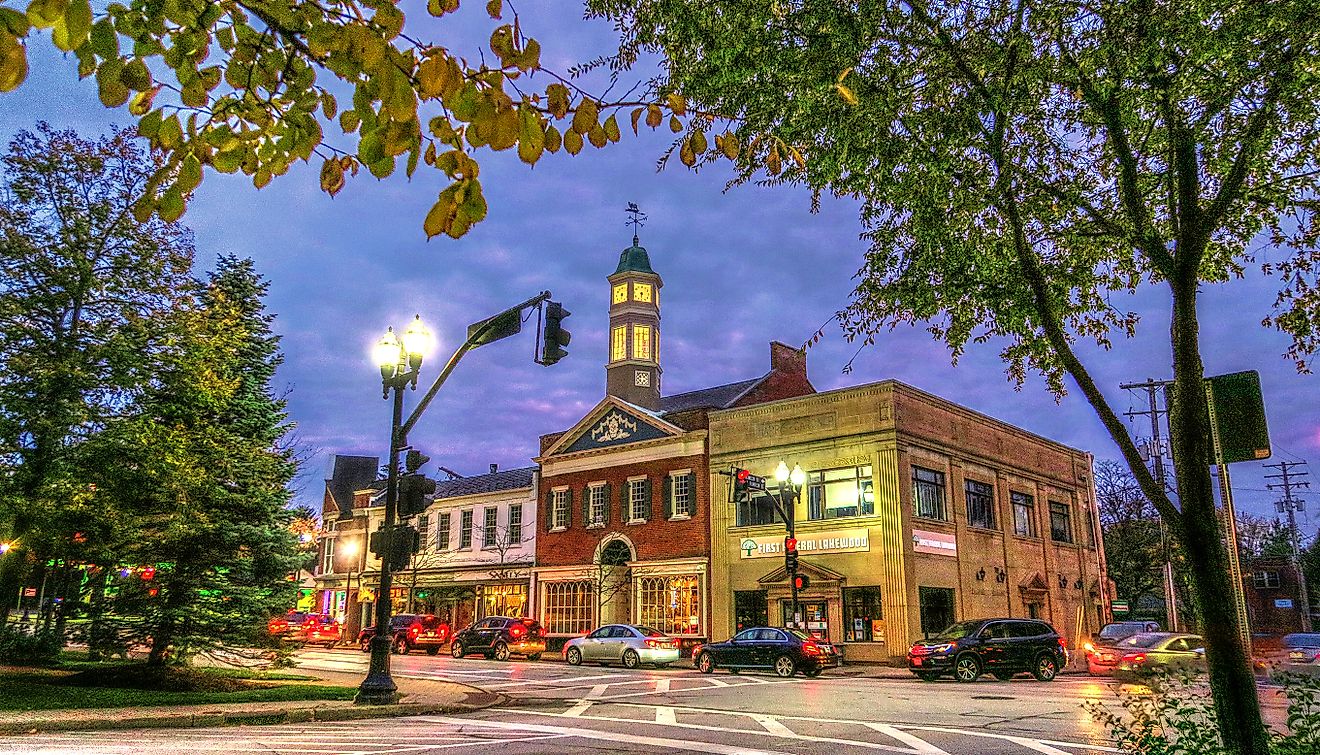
column 916, row 661
column 1296, row 655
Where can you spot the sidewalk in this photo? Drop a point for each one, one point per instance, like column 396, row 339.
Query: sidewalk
column 417, row 697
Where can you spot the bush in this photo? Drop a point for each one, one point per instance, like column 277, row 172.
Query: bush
column 24, row 649
column 1177, row 717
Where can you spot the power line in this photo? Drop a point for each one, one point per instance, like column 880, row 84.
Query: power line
column 1155, row 450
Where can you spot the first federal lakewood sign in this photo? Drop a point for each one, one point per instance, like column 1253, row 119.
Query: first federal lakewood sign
column 831, row 541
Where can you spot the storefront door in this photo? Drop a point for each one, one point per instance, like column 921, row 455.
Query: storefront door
column 813, row 616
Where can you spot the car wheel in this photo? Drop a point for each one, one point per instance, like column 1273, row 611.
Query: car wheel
column 501, row 652
column 967, row 668
column 574, row 657
column 705, row 663
column 785, row 667
column 631, row 659
column 456, row 649
column 366, row 645
column 927, row 676
column 1046, row 668
column 1003, row 676
column 401, row 646
column 534, row 657
column 433, row 650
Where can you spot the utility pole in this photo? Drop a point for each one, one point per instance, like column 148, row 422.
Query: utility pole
column 1292, row 505
column 1152, row 388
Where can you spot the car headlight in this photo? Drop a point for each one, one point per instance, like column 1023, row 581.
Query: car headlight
column 944, row 648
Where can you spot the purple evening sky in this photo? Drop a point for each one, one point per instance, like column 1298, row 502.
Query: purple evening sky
column 740, row 269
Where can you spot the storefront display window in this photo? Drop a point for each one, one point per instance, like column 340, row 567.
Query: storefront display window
column 837, row 493
column 749, row 609
column 813, row 617
column 936, row 608
column 569, row 607
column 502, row 600
column 671, row 604
column 863, row 618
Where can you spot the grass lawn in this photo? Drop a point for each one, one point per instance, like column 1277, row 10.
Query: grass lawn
column 125, row 685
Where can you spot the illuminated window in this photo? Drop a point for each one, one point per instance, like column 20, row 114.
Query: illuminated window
column 568, row 607
column 621, row 293
column 642, row 292
column 837, row 493
column 619, row 344
column 671, row 604
column 641, row 342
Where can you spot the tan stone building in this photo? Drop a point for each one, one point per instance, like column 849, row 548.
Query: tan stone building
column 916, row 513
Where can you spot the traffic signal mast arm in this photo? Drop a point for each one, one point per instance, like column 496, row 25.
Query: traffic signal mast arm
column 476, row 336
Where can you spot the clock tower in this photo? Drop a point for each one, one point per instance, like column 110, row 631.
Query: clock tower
column 633, row 370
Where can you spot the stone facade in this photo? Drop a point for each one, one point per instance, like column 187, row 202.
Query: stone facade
column 879, row 560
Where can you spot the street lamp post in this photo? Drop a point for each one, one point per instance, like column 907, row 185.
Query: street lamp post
column 790, row 487
column 400, row 363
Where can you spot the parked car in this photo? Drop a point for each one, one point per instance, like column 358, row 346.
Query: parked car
column 1268, row 651
column 1156, row 652
column 410, row 631
column 1002, row 647
column 784, row 651
column 1303, row 653
column 628, row 644
column 306, row 628
column 1101, row 653
column 501, row 637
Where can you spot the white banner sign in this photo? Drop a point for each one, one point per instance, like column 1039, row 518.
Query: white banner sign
column 832, row 541
column 936, row 543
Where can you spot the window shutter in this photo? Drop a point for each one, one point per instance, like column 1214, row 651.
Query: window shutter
column 646, row 496
column 569, row 513
column 586, row 506
column 625, row 503
column 668, row 496
column 609, row 502
column 548, row 512
column 692, row 493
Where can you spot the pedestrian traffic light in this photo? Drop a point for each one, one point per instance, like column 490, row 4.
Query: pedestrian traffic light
column 554, row 338
column 413, row 490
column 801, row 582
column 407, row 541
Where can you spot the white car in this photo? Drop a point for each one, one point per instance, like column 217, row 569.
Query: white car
column 627, row 644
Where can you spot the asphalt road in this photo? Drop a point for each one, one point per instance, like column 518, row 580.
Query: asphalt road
column 556, row 708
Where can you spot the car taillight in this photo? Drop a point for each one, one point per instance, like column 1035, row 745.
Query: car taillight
column 516, row 630
column 656, row 644
column 811, row 648
column 414, row 630
column 1134, row 658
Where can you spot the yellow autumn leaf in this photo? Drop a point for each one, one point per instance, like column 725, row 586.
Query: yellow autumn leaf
column 730, row 146
column 553, row 139
column 846, row 93
column 585, row 117
column 612, row 129
column 675, row 124
column 13, row 63
column 699, row 141
column 654, row 116
column 572, row 142
column 676, row 103
column 686, row 155
column 636, row 116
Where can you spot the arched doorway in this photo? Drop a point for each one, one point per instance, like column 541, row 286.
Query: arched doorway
column 613, row 583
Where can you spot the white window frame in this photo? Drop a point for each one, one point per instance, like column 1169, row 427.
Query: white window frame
column 442, row 526
column 690, row 507
column 490, row 532
column 594, row 489
column 424, row 532
column 558, row 507
column 636, row 498
column 328, row 556
column 466, row 521
column 515, row 523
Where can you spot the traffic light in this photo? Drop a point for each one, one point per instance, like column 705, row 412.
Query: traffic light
column 413, row 490
column 744, row 483
column 407, row 541
column 801, row 582
column 414, row 460
column 554, row 338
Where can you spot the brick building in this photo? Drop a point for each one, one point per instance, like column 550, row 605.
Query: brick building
column 1273, row 591
column 342, row 540
column 624, row 530
column 916, row 513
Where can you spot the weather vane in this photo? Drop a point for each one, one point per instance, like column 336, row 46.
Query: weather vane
column 637, row 220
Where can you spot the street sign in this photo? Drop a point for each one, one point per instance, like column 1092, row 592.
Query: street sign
column 1238, row 414
column 1120, row 606
column 754, row 482
column 1283, row 603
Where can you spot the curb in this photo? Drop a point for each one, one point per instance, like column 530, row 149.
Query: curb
column 294, row 715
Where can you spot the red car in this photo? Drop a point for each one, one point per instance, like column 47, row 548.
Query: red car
column 306, row 628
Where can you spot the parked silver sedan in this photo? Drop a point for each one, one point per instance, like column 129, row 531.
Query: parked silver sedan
column 628, row 644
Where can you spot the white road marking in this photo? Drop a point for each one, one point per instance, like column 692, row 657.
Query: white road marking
column 665, row 715
column 916, row 743
column 772, row 725
column 661, row 685
column 533, row 682
column 597, row 691
column 611, row 736
column 578, row 709
column 717, row 682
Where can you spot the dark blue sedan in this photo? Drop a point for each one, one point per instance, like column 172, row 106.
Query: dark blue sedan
column 784, row 651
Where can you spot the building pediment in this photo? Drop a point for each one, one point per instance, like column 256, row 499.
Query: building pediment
column 613, row 423
column 1034, row 583
column 815, row 572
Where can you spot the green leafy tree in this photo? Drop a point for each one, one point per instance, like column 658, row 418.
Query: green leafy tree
column 80, row 282
column 258, row 85
column 1022, row 165
column 1134, row 548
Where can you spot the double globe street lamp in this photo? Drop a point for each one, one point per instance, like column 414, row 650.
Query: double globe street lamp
column 790, row 487
column 400, row 361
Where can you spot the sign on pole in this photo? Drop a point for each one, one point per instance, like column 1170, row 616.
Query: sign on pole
column 1120, row 606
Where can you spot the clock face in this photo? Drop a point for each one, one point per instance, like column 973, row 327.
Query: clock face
column 621, row 293
column 642, row 378
column 642, row 292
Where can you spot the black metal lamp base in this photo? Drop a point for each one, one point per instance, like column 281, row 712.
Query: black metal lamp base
column 378, row 688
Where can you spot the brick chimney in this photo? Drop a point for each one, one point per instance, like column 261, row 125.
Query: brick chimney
column 788, row 360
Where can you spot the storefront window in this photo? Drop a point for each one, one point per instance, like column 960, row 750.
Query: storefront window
column 749, row 609
column 758, row 509
column 671, row 604
column 862, row 615
column 836, row 493
column 813, row 617
column 936, row 608
column 502, row 600
column 569, row 607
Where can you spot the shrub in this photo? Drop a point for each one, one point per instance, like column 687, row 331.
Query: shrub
column 35, row 649
column 1177, row 717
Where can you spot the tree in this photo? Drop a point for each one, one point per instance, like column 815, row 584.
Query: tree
column 1134, row 548
column 81, row 282
column 1023, row 165
column 253, row 86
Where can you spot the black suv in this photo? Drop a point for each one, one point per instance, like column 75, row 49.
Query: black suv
column 1003, row 647
column 409, row 631
column 499, row 637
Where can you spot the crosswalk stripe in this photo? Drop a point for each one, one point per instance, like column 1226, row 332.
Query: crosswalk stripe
column 918, row 744
column 665, row 715
column 772, row 725
column 578, row 708
column 612, row 736
column 662, row 685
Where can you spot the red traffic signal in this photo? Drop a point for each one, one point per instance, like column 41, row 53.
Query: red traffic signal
column 801, row 582
column 742, row 475
column 790, row 544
